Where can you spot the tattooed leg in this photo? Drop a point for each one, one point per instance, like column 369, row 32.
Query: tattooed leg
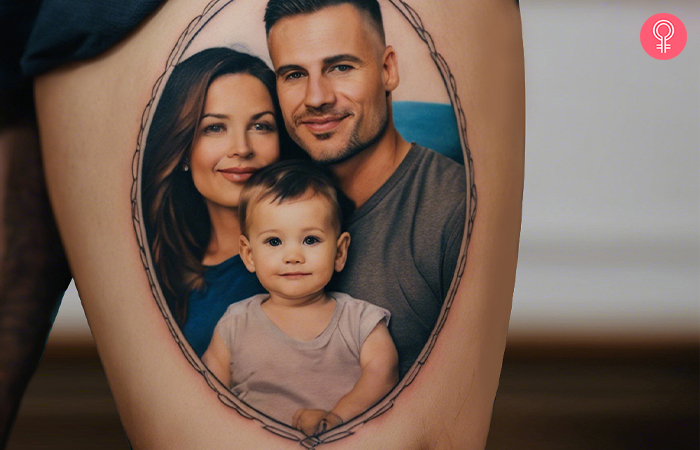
column 95, row 119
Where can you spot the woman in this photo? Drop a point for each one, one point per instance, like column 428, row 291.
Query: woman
column 215, row 125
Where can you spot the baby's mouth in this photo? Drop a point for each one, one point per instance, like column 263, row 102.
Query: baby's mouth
column 294, row 275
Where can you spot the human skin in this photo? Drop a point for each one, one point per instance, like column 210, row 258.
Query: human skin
column 334, row 81
column 238, row 136
column 89, row 117
column 294, row 248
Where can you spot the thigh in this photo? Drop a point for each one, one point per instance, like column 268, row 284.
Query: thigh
column 91, row 115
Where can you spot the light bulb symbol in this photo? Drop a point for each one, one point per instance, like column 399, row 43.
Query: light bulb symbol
column 663, row 46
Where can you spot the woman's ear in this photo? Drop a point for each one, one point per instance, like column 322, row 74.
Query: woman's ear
column 341, row 253
column 246, row 253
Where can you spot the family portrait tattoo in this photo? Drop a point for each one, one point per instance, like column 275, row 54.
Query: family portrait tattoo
column 303, row 198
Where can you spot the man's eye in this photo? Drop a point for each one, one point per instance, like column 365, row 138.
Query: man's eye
column 293, row 76
column 342, row 68
column 311, row 240
column 274, row 242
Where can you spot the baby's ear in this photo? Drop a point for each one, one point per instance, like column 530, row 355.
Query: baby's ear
column 341, row 253
column 246, row 253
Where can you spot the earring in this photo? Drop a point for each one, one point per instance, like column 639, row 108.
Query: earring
column 185, row 166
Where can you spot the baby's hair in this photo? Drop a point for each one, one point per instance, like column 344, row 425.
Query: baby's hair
column 291, row 180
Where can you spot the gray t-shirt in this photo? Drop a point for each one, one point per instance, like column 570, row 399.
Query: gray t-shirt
column 405, row 245
column 277, row 375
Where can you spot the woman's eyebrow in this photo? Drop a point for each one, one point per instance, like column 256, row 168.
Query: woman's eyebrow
column 217, row 116
column 260, row 114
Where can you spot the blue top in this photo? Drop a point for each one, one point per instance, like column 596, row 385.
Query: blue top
column 431, row 125
column 225, row 284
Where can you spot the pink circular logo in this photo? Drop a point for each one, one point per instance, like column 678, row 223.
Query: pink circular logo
column 663, row 36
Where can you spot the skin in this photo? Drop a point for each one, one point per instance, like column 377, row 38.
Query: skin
column 89, row 119
column 294, row 248
column 334, row 79
column 235, row 139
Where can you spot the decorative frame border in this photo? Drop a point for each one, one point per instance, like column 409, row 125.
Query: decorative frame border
column 226, row 397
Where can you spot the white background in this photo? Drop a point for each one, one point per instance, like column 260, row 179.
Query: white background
column 610, row 240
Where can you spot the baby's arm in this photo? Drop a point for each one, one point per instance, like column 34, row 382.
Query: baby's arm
column 218, row 360
column 379, row 361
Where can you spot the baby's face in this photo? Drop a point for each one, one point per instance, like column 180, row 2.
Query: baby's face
column 294, row 246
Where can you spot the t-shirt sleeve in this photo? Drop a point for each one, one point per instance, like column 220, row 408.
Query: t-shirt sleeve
column 226, row 327
column 369, row 318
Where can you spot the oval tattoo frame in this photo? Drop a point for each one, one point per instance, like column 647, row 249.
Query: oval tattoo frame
column 225, row 395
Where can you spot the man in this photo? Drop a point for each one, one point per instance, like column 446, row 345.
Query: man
column 335, row 75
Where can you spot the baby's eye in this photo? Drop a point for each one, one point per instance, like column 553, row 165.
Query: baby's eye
column 311, row 240
column 273, row 241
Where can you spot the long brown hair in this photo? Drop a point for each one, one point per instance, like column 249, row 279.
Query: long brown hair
column 177, row 221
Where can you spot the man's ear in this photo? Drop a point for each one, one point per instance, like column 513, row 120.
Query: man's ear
column 246, row 253
column 390, row 69
column 341, row 253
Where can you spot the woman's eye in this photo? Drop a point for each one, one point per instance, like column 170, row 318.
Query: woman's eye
column 263, row 126
column 274, row 242
column 310, row 240
column 213, row 128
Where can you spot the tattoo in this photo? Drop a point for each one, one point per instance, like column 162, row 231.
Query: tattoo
column 173, row 240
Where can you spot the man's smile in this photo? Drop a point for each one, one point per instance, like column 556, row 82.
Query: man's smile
column 323, row 124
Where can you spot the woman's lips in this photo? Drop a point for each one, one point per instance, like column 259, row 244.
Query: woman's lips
column 238, row 174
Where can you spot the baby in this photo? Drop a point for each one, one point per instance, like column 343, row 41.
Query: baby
column 299, row 354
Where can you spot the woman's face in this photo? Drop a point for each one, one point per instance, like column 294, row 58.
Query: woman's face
column 237, row 136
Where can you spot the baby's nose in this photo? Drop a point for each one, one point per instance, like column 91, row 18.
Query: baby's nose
column 294, row 256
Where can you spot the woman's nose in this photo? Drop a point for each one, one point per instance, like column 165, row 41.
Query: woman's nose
column 239, row 146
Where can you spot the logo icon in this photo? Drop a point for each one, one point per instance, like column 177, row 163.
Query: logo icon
column 663, row 36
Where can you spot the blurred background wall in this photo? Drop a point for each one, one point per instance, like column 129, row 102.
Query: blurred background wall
column 611, row 214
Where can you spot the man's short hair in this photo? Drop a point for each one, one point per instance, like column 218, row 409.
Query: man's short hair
column 291, row 180
column 277, row 10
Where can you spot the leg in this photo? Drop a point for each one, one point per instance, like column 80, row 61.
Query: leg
column 90, row 114
column 33, row 270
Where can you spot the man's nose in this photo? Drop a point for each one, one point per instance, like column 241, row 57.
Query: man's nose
column 319, row 92
column 238, row 145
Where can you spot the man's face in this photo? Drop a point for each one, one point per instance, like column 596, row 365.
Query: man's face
column 333, row 73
